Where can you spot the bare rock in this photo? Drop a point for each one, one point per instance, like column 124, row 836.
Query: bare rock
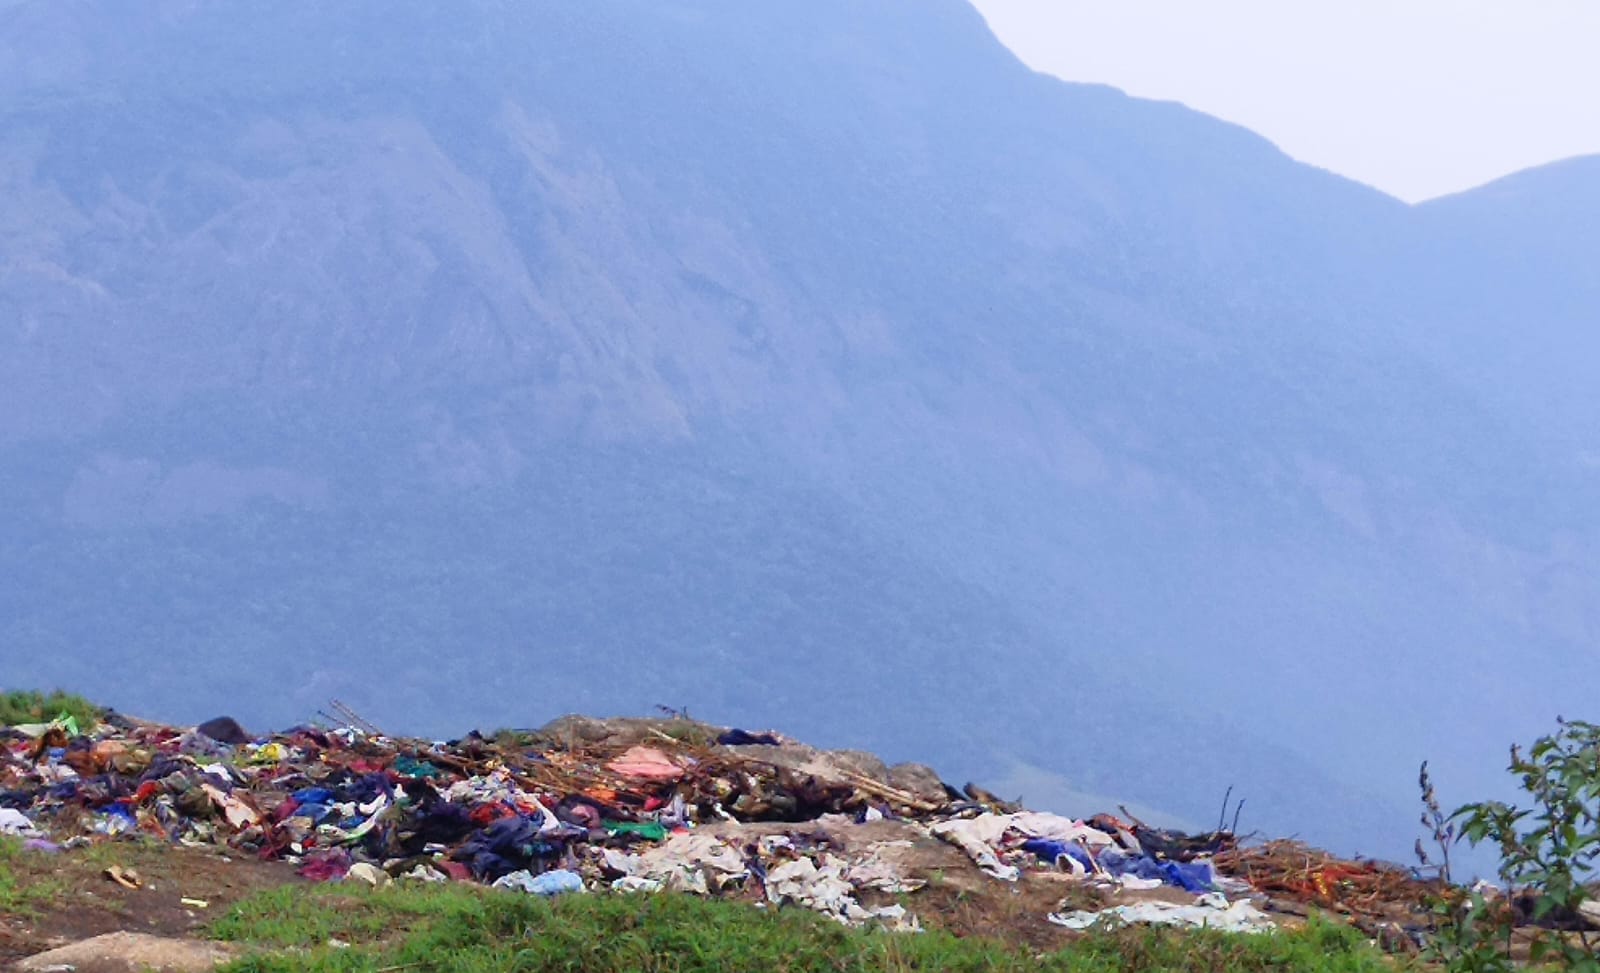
column 918, row 780
column 130, row 952
column 1589, row 912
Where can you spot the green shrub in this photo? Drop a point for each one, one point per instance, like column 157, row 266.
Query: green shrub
column 1546, row 850
column 32, row 706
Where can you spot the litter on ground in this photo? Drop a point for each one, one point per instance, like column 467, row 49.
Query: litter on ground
column 637, row 807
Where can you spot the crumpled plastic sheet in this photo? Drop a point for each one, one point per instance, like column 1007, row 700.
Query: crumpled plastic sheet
column 826, row 888
column 1211, row 911
column 549, row 884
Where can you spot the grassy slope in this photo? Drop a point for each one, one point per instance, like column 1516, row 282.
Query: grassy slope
column 457, row 928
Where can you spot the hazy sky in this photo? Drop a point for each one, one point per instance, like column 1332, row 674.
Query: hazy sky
column 1417, row 97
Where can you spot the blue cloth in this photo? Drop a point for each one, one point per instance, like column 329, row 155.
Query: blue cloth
column 64, row 791
column 1052, row 851
column 318, row 813
column 313, row 795
column 1196, row 877
column 502, row 847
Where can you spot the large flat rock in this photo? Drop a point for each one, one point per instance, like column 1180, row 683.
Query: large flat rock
column 129, row 952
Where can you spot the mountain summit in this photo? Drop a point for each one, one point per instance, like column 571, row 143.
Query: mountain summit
column 826, row 365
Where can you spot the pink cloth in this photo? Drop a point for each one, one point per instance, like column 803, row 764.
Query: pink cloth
column 645, row 763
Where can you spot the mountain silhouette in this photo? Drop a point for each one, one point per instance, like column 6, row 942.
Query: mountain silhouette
column 821, row 368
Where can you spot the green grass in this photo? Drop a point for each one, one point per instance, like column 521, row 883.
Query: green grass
column 462, row 929
column 20, row 894
column 33, row 706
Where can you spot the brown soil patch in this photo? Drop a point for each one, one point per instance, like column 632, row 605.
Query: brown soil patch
column 84, row 903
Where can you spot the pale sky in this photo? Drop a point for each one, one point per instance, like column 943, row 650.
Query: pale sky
column 1417, row 97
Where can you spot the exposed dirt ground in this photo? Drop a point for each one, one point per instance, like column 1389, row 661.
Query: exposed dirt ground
column 72, row 898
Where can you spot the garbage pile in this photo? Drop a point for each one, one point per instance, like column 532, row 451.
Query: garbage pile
column 1383, row 900
column 632, row 806
column 1104, row 848
column 1294, row 869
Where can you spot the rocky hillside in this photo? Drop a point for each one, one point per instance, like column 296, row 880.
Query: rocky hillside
column 488, row 361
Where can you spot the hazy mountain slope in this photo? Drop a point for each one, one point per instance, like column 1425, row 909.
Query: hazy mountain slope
column 1517, row 289
column 820, row 368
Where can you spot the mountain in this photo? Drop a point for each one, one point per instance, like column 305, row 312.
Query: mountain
column 825, row 369
column 1513, row 276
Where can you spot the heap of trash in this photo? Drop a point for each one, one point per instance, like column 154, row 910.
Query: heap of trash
column 631, row 806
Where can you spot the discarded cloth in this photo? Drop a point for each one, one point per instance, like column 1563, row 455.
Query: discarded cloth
column 368, row 873
column 17, row 824
column 1039, row 824
column 648, row 830
column 645, row 763
column 1062, row 854
column 983, row 837
column 1209, row 911
column 416, row 769
column 1197, row 876
column 326, row 866
column 978, row 837
column 633, row 883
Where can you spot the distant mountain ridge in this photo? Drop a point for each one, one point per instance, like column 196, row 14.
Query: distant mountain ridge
column 478, row 364
column 1521, row 316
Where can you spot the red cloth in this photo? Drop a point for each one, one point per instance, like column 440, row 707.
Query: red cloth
column 456, row 870
column 489, row 813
